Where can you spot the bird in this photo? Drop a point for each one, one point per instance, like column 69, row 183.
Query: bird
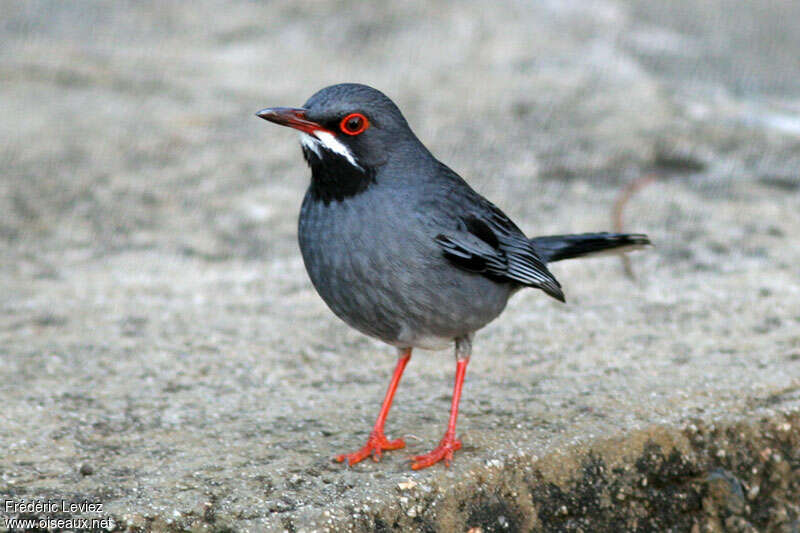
column 402, row 249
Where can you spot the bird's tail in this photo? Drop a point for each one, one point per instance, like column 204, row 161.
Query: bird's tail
column 558, row 247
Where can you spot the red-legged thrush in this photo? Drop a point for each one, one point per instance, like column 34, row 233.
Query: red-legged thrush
column 402, row 248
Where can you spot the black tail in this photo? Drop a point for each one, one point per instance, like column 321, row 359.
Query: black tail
column 558, row 247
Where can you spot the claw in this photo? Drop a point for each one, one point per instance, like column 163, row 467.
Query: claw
column 443, row 452
column 376, row 444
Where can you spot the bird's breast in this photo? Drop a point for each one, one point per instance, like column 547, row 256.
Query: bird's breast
column 378, row 268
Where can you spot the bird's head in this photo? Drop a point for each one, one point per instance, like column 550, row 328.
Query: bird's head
column 345, row 123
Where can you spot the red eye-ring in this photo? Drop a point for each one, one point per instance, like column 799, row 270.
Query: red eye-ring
column 353, row 124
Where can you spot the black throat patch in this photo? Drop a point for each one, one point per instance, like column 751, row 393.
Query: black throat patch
column 333, row 177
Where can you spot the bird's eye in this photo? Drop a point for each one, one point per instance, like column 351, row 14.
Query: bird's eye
column 353, row 124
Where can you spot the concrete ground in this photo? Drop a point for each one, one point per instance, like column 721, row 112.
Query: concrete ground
column 164, row 353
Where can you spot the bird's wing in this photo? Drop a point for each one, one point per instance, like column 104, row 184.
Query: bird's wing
column 486, row 241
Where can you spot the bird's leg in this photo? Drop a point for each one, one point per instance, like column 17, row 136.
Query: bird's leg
column 449, row 443
column 377, row 441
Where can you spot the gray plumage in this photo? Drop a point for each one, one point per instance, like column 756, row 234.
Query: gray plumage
column 396, row 243
column 403, row 249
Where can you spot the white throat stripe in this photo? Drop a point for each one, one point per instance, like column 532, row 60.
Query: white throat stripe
column 324, row 139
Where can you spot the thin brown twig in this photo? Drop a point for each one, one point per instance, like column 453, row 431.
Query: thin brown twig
column 619, row 206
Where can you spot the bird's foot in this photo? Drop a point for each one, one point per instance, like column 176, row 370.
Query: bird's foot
column 444, row 451
column 376, row 444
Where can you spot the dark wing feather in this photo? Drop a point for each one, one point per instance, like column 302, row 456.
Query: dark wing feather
column 470, row 253
column 486, row 241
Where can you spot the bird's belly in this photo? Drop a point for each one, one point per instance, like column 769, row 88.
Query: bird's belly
column 392, row 282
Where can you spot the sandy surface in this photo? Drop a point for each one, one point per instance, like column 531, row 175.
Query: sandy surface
column 163, row 351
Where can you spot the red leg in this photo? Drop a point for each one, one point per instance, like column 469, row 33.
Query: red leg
column 377, row 441
column 449, row 443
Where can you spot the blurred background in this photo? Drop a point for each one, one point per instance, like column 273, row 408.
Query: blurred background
column 131, row 125
column 150, row 281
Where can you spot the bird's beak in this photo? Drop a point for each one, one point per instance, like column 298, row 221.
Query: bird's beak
column 290, row 116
